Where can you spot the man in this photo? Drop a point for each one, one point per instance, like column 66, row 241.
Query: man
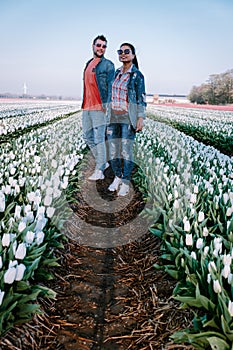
column 98, row 77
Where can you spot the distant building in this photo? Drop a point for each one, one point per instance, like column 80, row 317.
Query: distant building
column 166, row 98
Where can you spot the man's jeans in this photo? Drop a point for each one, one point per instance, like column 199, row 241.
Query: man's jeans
column 120, row 145
column 94, row 129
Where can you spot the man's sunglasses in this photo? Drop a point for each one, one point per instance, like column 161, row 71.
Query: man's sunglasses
column 126, row 52
column 100, row 45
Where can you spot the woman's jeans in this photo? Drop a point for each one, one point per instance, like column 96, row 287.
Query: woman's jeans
column 120, row 137
column 94, row 134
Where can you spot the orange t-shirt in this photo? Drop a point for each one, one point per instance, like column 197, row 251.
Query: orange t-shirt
column 92, row 100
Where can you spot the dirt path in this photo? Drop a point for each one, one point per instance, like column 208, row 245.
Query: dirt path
column 109, row 295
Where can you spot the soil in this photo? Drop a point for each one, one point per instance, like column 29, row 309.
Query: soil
column 109, row 295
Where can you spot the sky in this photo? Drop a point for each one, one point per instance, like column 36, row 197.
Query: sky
column 179, row 43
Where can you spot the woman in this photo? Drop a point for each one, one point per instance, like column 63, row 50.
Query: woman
column 128, row 112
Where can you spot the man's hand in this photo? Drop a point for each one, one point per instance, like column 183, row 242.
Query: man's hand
column 139, row 124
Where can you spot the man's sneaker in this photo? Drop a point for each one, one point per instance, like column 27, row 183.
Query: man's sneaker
column 97, row 175
column 115, row 184
column 124, row 190
column 107, row 165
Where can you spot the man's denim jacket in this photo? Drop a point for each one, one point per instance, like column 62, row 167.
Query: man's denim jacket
column 136, row 95
column 104, row 71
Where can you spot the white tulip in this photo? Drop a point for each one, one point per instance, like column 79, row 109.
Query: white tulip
column 13, row 263
column 230, row 308
column 37, row 159
column 9, row 275
column 189, row 239
column 226, row 259
column 38, row 169
column 0, row 262
column 40, row 237
column 200, row 243
column 64, row 185
column 20, row 269
column 206, row 250
column 7, row 189
column 48, row 183
column 22, row 181
column 2, row 202
column 230, row 278
column 1, row 296
column 14, row 246
column 50, row 211
column 29, row 238
column 187, row 226
column 17, row 212
column 229, row 211
column 48, row 201
column 16, row 190
column 169, row 197
column 217, row 246
column 6, row 239
column 30, row 216
column 21, row 226
column 49, row 191
column 205, row 232
column 31, row 196
column 57, row 193
column 194, row 255
column 217, row 286
column 225, row 198
column 54, row 163
column 12, row 171
column 212, row 266
column 226, row 271
column 21, row 251
column 201, row 216
column 193, row 198
column 40, row 211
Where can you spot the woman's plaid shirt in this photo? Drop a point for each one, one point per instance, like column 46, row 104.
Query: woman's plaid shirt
column 120, row 91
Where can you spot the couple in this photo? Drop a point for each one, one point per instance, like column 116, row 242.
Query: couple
column 113, row 108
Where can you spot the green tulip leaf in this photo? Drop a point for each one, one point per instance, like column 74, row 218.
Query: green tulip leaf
column 218, row 344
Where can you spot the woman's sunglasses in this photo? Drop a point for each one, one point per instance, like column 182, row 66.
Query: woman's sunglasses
column 100, row 45
column 126, row 51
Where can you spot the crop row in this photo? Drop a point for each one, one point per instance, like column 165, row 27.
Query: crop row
column 19, row 120
column 190, row 186
column 35, row 169
column 210, row 127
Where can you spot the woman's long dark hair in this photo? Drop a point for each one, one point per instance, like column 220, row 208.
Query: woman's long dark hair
column 135, row 61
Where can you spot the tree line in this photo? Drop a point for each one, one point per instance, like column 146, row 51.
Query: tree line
column 217, row 90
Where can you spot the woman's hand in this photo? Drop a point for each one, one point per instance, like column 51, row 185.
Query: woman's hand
column 139, row 124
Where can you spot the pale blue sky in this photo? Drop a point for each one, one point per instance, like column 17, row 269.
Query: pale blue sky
column 179, row 43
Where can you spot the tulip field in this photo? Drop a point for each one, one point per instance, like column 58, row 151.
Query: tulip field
column 35, row 165
column 185, row 159
column 191, row 186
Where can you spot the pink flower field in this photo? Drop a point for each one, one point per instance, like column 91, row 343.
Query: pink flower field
column 193, row 105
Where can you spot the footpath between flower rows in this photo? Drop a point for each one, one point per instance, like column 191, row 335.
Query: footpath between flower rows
column 107, row 298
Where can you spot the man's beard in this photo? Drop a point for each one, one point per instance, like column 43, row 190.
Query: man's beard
column 98, row 55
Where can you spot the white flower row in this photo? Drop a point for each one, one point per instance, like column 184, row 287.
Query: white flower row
column 211, row 122
column 34, row 171
column 184, row 169
column 16, row 108
column 32, row 116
